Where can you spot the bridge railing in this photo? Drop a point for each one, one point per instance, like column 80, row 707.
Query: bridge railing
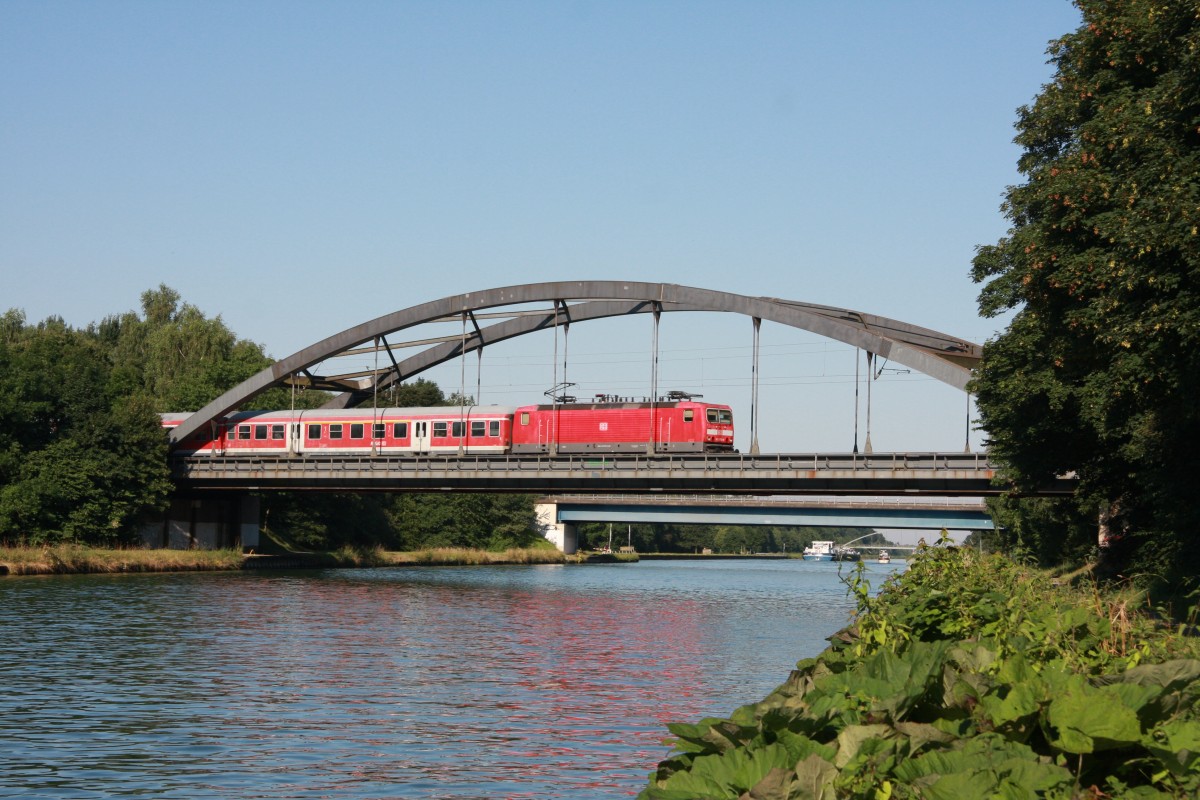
column 790, row 462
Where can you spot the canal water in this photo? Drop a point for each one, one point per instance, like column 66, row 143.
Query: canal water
column 475, row 682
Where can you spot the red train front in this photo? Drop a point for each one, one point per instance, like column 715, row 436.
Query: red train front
column 611, row 426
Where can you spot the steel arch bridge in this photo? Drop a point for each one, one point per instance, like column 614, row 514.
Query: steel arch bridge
column 939, row 355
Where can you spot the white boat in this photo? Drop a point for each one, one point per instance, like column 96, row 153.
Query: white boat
column 884, row 557
column 819, row 551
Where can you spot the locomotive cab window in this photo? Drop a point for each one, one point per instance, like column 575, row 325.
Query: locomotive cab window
column 400, row 430
column 314, row 431
column 524, row 417
column 688, row 414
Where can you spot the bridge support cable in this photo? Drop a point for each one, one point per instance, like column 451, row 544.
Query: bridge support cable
column 654, row 377
column 857, row 382
column 462, row 387
column 478, row 360
column 754, row 389
column 870, row 380
column 375, row 401
column 967, row 439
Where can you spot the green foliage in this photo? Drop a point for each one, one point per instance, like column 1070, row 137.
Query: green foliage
column 1097, row 374
column 967, row 676
column 78, row 461
column 415, row 394
column 82, row 452
column 483, row 521
column 733, row 539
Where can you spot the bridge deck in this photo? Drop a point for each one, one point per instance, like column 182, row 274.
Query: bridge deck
column 811, row 473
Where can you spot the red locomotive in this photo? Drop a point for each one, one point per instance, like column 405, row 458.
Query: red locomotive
column 610, row 425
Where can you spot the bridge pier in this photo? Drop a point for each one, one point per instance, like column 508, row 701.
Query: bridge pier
column 565, row 535
column 205, row 522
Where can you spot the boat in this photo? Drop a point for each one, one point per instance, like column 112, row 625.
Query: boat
column 847, row 554
column 884, row 557
column 819, row 551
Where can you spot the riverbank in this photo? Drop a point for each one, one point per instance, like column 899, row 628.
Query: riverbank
column 967, row 676
column 79, row 559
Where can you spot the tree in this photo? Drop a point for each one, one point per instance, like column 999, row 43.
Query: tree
column 418, row 394
column 1097, row 373
column 77, row 463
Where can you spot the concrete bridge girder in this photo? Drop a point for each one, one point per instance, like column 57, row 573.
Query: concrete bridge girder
column 938, row 355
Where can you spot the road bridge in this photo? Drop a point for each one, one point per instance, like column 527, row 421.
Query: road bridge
column 559, row 515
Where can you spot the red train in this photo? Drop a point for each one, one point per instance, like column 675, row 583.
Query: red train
column 610, row 426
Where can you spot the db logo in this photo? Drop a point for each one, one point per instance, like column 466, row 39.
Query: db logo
column 603, row 426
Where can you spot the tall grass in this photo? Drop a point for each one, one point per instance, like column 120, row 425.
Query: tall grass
column 445, row 556
column 75, row 558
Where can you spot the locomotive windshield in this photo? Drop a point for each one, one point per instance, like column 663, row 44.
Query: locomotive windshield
column 721, row 416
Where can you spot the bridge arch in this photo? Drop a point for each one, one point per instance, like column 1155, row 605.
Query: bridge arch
column 939, row 355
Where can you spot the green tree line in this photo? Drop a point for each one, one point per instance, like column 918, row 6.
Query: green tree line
column 732, row 539
column 83, row 456
column 1098, row 372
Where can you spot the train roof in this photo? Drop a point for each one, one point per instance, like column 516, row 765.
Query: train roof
column 634, row 404
column 428, row 411
column 344, row 413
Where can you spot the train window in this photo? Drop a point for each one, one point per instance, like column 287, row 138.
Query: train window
column 439, row 429
column 260, row 431
column 524, row 417
column 314, row 431
column 243, row 431
column 335, row 431
column 400, row 430
column 726, row 416
column 276, row 431
column 478, row 428
column 456, row 430
column 494, row 427
column 378, row 430
column 688, row 414
column 356, row 430
column 712, row 415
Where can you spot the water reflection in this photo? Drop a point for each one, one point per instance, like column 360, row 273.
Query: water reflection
column 415, row 683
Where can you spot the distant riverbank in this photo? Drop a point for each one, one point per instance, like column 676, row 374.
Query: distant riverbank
column 68, row 559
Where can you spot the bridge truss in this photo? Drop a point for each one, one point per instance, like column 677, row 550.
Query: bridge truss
column 941, row 356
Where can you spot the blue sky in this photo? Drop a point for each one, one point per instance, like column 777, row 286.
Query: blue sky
column 301, row 167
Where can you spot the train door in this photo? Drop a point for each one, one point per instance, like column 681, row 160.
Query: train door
column 294, row 438
column 420, row 436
